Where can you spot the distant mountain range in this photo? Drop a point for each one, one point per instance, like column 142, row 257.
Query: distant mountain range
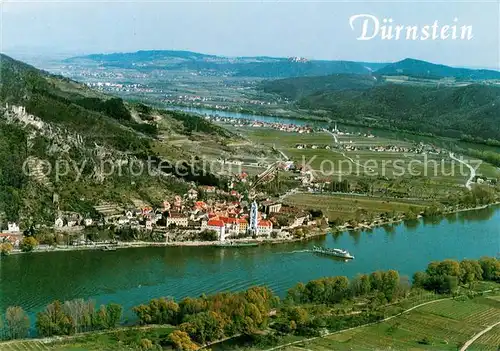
column 424, row 69
column 275, row 67
column 259, row 66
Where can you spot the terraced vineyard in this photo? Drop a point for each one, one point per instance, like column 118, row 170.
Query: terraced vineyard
column 444, row 325
column 24, row 346
column 487, row 342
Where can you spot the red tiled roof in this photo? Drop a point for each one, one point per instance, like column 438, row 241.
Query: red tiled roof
column 228, row 220
column 242, row 221
column 215, row 223
column 265, row 224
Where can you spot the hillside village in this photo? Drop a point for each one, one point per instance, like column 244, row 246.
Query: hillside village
column 185, row 218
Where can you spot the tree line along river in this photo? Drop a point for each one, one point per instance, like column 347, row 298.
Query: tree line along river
column 133, row 276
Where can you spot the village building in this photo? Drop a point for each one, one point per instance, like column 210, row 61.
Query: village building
column 59, row 222
column 14, row 239
column 216, row 225
column 208, row 189
column 192, row 194
column 166, row 206
column 264, row 228
column 123, row 220
column 13, row 227
column 177, row 219
column 243, row 225
column 271, row 207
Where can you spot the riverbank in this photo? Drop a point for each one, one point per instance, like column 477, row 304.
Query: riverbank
column 314, row 233
column 195, row 243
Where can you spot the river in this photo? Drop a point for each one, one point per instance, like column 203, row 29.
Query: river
column 133, row 276
column 398, row 135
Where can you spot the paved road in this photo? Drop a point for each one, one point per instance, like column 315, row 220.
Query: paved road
column 468, row 184
column 478, row 335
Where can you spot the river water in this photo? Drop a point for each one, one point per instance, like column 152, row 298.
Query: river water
column 133, row 276
column 398, row 135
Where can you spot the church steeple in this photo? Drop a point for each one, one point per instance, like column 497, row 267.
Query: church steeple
column 254, row 217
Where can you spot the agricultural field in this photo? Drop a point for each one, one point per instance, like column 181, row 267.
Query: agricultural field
column 347, row 206
column 487, row 342
column 444, row 325
column 325, row 160
column 118, row 340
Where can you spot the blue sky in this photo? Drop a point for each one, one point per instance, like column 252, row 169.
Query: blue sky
column 312, row 29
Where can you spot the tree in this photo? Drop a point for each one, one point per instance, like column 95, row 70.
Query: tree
column 297, row 293
column 158, row 311
column 491, row 268
column 209, row 235
column 470, row 271
column 100, row 318
column 205, row 327
column 190, row 306
column 5, row 248
column 446, row 267
column 17, row 323
column 377, row 280
column 28, row 244
column 54, row 321
column 181, row 341
column 391, row 283
column 360, row 285
column 114, row 312
column 420, row 279
column 298, row 314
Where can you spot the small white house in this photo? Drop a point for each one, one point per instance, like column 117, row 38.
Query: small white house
column 123, row 220
column 192, row 194
column 59, row 223
column 13, row 227
column 88, row 222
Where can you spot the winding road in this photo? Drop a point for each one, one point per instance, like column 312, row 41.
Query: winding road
column 468, row 184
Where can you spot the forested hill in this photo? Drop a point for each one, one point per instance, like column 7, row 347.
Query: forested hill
column 45, row 119
column 472, row 110
column 258, row 66
column 295, row 88
column 423, row 69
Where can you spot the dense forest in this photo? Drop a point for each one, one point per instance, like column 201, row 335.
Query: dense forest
column 472, row 110
column 469, row 112
column 423, row 69
column 296, row 88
